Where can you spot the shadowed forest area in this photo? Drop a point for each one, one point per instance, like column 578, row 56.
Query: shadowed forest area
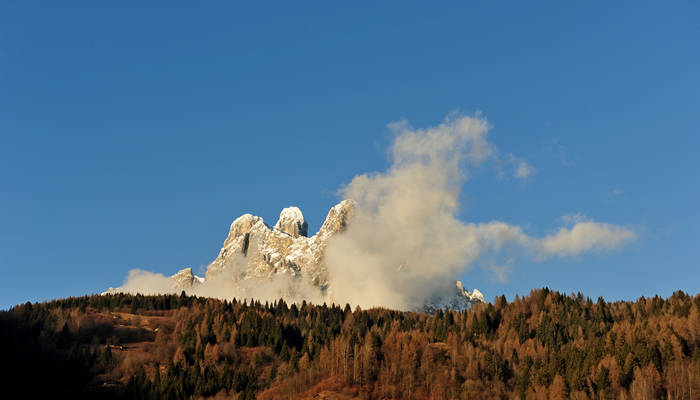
column 544, row 346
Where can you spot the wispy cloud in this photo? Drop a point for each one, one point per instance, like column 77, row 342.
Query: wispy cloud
column 510, row 165
column 570, row 219
column 501, row 272
column 524, row 170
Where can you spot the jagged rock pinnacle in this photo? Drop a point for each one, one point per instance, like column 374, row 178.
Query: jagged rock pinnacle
column 283, row 249
column 292, row 222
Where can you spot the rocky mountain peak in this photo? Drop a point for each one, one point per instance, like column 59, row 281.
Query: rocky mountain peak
column 338, row 218
column 240, row 226
column 292, row 222
column 185, row 279
column 254, row 250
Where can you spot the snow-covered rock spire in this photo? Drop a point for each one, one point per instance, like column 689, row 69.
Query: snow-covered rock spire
column 292, row 222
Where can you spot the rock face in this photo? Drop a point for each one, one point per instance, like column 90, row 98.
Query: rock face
column 283, row 249
column 254, row 250
column 185, row 279
column 292, row 222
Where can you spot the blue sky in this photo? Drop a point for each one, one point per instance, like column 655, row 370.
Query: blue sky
column 131, row 137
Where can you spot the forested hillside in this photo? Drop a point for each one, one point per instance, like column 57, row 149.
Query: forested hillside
column 544, row 346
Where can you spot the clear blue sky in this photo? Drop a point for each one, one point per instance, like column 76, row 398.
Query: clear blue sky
column 131, row 137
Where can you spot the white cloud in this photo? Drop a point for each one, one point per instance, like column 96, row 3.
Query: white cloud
column 145, row 282
column 520, row 168
column 406, row 219
column 407, row 216
column 456, row 138
column 584, row 237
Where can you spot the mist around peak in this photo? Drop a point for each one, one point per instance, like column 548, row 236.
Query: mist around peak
column 404, row 245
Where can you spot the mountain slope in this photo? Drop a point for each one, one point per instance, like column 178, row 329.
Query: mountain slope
column 544, row 345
